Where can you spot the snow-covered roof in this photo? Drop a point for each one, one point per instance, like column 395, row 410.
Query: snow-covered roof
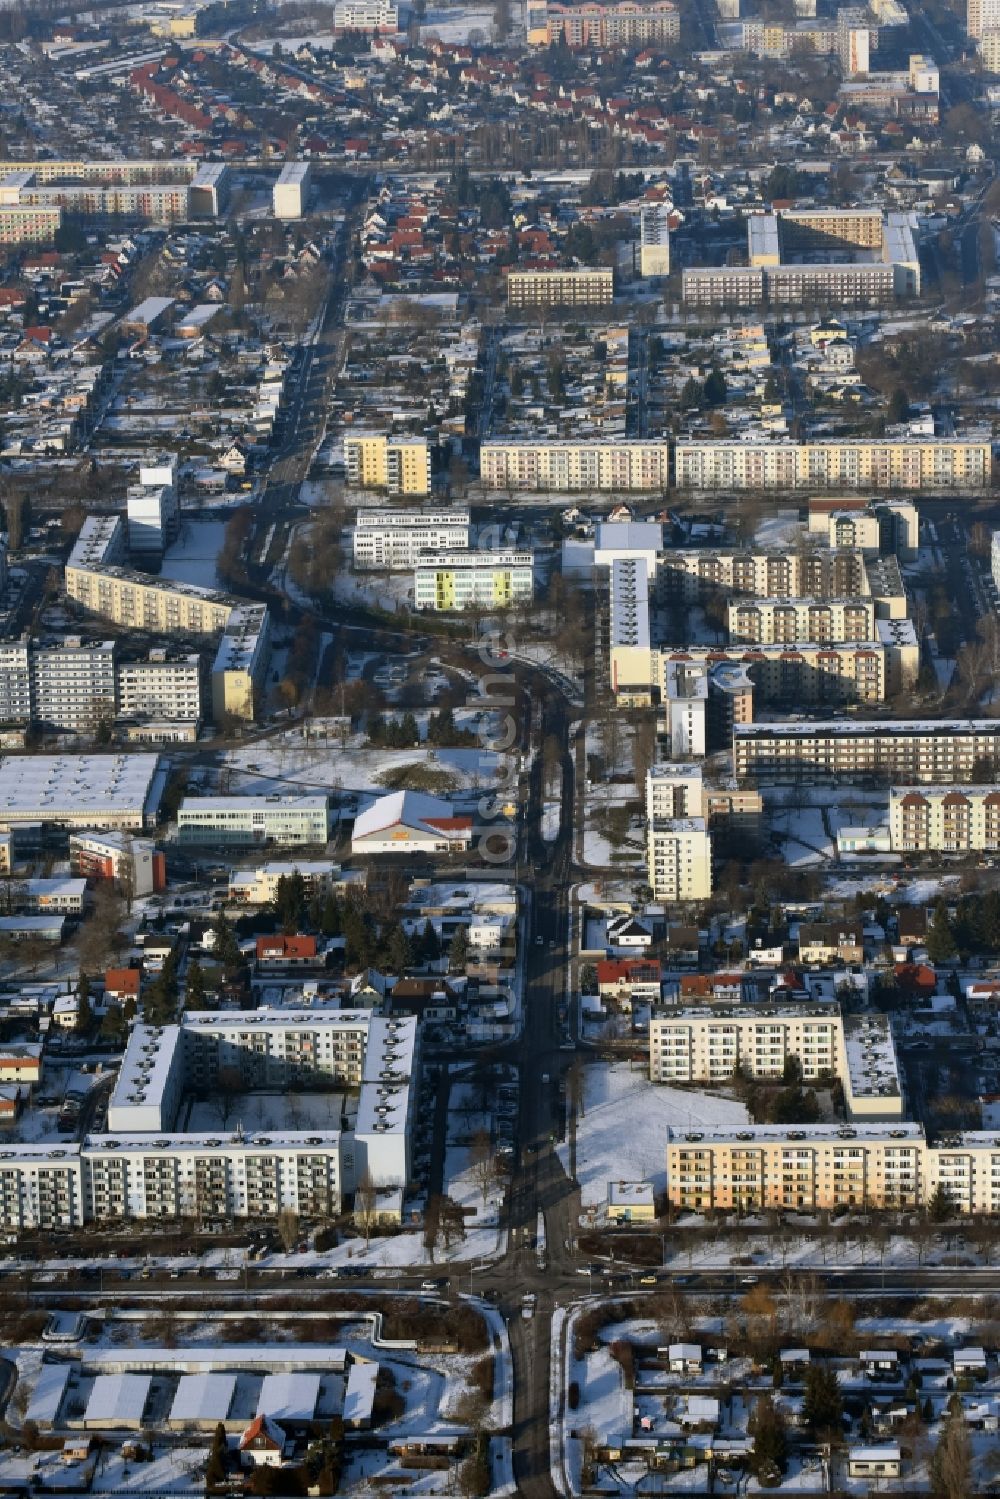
column 118, row 1398
column 289, row 1397
column 359, row 1397
column 203, row 1397
column 413, row 809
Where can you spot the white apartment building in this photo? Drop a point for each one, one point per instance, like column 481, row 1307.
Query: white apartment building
column 41, row 1186
column 928, row 752
column 995, row 557
column 473, row 579
column 679, row 858
column 674, row 791
column 259, row 887
column 786, row 621
column 163, row 687
column 620, row 465
column 73, row 683
column 101, row 540
column 243, row 821
column 394, row 539
column 201, row 1177
column 952, row 819
column 294, row 185
column 378, row 16
column 685, row 704
column 933, row 463
column 153, row 518
column 15, row 682
column 708, row 1043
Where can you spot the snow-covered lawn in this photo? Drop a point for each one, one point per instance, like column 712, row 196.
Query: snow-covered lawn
column 193, row 556
column 622, row 1134
column 289, row 764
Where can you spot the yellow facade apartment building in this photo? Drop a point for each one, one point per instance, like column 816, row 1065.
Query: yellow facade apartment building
column 396, row 465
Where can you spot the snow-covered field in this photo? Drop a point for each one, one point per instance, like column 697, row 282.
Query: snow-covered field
column 622, row 1133
column 290, row 764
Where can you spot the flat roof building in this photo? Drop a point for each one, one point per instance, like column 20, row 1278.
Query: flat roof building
column 82, row 791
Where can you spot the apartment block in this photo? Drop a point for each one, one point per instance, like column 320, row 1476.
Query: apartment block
column 259, row 887
column 15, row 682
column 161, row 686
column 789, row 621
column 371, row 17
column 394, row 539
column 140, row 601
column 73, row 683
column 709, row 1043
column 473, row 580
column 901, row 750
column 813, row 1167
column 37, row 1190
column 679, row 858
column 676, row 790
column 995, row 557
column 291, row 192
column 141, row 1178
column 239, row 671
column 982, row 17
column 931, row 463
column 594, row 25
column 685, row 709
column 654, row 240
column 875, row 527
column 248, row 820
column 952, row 819
column 622, row 466
column 153, row 516
column 826, row 257
column 398, row 465
column 592, row 287
column 767, row 573
column 25, row 224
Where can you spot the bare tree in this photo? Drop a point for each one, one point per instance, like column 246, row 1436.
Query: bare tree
column 365, row 1204
column 483, row 1162
column 288, row 1229
column 951, row 1464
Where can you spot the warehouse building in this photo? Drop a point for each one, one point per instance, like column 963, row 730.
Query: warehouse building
column 82, row 791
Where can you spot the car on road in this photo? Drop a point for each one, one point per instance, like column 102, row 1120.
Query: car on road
column 433, row 1285
column 647, row 1280
column 528, row 1305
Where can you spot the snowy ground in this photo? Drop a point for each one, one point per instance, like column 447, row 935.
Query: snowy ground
column 193, row 556
column 458, row 23
column 289, row 764
column 622, row 1134
column 270, row 1112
